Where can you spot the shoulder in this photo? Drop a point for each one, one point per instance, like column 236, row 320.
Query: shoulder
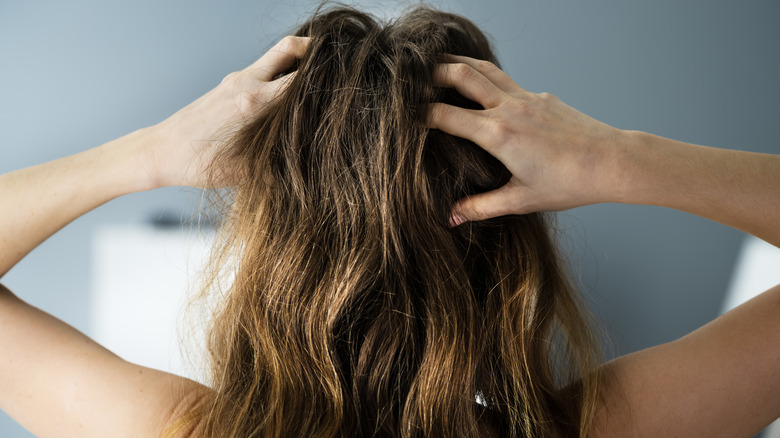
column 722, row 380
column 55, row 381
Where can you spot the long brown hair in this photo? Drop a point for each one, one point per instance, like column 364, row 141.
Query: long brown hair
column 355, row 310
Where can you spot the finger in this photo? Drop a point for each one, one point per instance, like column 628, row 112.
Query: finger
column 277, row 86
column 495, row 203
column 491, row 71
column 469, row 82
column 460, row 122
column 280, row 57
column 283, row 81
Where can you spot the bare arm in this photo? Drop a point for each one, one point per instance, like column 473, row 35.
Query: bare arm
column 736, row 188
column 47, row 197
column 44, row 198
column 561, row 159
column 54, row 380
column 57, row 382
column 723, row 380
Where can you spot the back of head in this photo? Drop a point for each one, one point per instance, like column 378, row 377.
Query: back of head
column 355, row 309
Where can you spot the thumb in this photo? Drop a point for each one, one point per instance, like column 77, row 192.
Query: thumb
column 483, row 206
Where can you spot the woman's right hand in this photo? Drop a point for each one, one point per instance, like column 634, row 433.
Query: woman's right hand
column 559, row 158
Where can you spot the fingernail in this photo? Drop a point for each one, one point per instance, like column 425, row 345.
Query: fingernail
column 456, row 219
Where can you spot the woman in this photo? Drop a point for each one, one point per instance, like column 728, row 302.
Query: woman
column 392, row 278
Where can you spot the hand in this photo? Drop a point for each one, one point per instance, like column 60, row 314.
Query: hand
column 559, row 158
column 182, row 146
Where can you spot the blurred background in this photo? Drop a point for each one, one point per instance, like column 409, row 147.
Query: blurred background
column 76, row 74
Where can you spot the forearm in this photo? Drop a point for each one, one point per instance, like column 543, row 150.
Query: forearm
column 40, row 200
column 736, row 188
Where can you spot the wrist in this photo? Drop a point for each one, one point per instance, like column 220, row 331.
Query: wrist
column 134, row 154
column 614, row 167
column 655, row 170
column 628, row 164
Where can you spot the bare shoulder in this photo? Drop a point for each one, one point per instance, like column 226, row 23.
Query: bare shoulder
column 723, row 380
column 55, row 381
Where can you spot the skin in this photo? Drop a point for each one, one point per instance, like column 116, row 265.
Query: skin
column 54, row 380
column 722, row 380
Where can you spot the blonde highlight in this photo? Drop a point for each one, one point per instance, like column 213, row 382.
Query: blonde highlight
column 355, row 310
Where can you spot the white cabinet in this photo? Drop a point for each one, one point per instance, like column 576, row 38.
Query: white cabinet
column 142, row 279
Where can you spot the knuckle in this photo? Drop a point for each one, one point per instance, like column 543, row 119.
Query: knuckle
column 293, row 44
column 477, row 212
column 523, row 108
column 546, row 96
column 436, row 113
column 286, row 43
column 486, row 66
column 464, row 71
column 443, row 110
column 502, row 130
column 247, row 102
column 231, row 78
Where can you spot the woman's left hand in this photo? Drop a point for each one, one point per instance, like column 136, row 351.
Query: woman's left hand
column 182, row 146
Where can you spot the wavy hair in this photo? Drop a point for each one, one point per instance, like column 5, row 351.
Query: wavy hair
column 355, row 309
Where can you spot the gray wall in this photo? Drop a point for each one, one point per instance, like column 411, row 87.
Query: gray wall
column 76, row 74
